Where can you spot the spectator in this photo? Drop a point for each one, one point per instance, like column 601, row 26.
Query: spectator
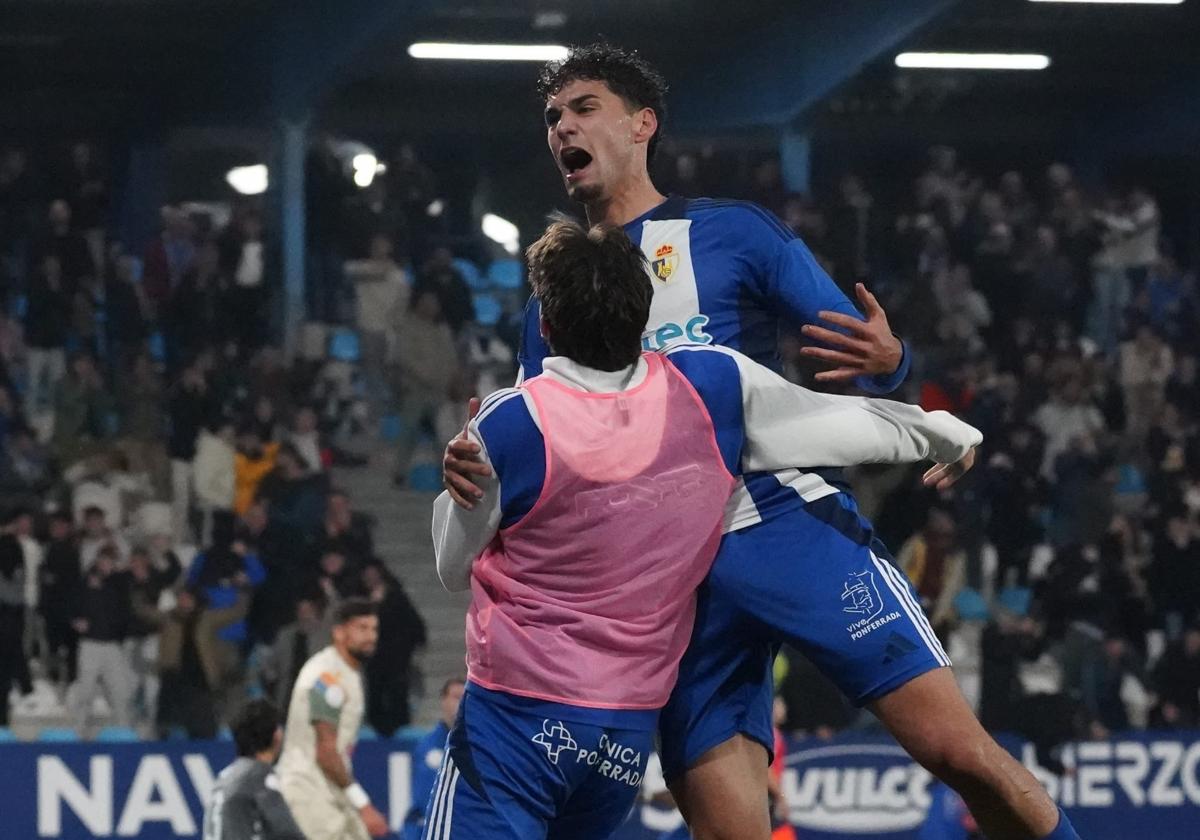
column 1177, row 680
column 195, row 316
column 1146, row 364
column 854, row 227
column 193, row 666
column 295, row 497
column 1104, row 672
column 61, row 240
column 168, row 258
column 190, row 407
column 345, row 531
column 102, row 622
column 1174, row 573
column 293, row 645
column 86, row 189
column 451, row 291
column 148, row 581
column 1136, row 227
column 426, row 358
column 59, row 579
column 144, row 421
column 1068, row 416
column 401, row 632
column 14, row 666
column 338, row 577
column 46, row 324
column 220, row 573
column 97, row 534
column 83, row 411
column 306, row 440
column 125, row 326
column 382, row 290
column 936, row 565
column 26, row 468
column 244, row 261
column 214, row 476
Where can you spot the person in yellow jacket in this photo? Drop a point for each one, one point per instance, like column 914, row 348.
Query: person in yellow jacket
column 254, row 459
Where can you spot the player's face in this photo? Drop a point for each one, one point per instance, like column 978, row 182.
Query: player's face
column 594, row 139
column 359, row 636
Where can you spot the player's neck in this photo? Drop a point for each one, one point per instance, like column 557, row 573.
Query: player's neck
column 634, row 199
column 347, row 657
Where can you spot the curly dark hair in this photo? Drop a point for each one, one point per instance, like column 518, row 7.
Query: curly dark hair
column 594, row 292
column 626, row 73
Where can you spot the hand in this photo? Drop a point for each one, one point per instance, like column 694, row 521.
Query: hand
column 80, row 625
column 460, row 462
column 239, row 548
column 374, row 821
column 870, row 349
column 241, row 580
column 943, row 476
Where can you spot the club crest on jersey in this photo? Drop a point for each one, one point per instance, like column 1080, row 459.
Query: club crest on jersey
column 666, row 260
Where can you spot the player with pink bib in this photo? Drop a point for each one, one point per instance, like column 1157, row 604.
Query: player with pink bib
column 612, row 473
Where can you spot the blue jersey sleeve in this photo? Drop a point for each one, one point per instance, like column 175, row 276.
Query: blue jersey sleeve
column 715, row 377
column 517, row 451
column 533, row 347
column 792, row 280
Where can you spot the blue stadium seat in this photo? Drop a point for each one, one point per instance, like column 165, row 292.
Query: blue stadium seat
column 225, row 734
column 7, row 736
column 471, row 274
column 487, row 310
column 367, row 733
column 177, row 733
column 117, row 735
column 389, row 427
column 970, row 605
column 58, row 735
column 426, row 477
column 343, row 345
column 506, row 274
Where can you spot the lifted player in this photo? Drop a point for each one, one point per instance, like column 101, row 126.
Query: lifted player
column 798, row 564
column 613, row 470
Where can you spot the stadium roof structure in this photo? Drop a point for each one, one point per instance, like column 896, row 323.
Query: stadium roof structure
column 105, row 64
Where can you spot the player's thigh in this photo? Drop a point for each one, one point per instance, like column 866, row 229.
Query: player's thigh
column 724, row 687
column 723, row 796
column 495, row 782
column 605, row 784
column 820, row 581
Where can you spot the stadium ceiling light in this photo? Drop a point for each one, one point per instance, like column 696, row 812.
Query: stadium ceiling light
column 973, row 61
column 488, row 52
column 502, row 231
column 248, row 180
column 366, row 167
column 1117, row 2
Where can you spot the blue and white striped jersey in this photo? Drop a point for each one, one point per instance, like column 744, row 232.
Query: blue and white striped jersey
column 730, row 273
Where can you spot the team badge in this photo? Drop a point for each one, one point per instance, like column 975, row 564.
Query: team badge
column 860, row 595
column 666, row 260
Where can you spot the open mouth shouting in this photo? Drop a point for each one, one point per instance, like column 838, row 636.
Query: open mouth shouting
column 574, row 162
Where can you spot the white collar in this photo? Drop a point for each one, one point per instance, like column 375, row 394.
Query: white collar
column 577, row 376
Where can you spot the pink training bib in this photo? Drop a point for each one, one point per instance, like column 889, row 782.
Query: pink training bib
column 589, row 599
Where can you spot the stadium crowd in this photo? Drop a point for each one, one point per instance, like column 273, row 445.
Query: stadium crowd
column 1064, row 575
column 172, row 534
column 144, row 410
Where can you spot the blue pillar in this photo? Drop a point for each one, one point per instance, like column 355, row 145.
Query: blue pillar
column 795, row 153
column 293, row 145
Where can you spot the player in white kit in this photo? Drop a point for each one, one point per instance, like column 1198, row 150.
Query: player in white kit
column 323, row 720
